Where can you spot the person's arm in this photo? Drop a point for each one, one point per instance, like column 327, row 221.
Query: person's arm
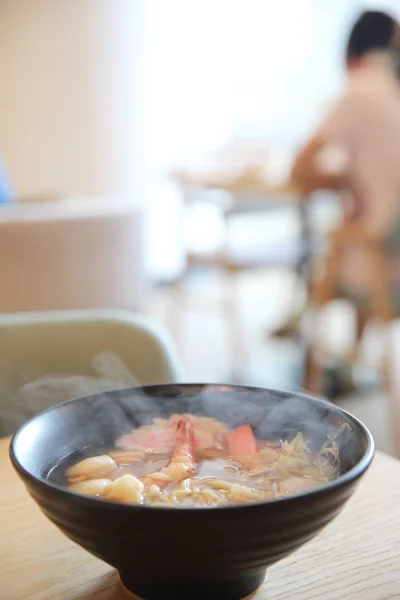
column 308, row 174
column 305, row 176
column 323, row 162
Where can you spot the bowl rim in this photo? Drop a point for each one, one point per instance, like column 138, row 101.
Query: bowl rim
column 352, row 474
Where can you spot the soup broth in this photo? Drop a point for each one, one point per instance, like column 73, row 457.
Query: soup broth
column 187, row 461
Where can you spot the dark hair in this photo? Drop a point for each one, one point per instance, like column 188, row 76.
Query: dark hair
column 373, row 30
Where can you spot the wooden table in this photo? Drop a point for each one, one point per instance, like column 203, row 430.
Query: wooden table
column 357, row 557
column 251, row 192
column 233, row 184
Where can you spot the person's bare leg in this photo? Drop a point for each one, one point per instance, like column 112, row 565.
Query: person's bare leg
column 361, row 322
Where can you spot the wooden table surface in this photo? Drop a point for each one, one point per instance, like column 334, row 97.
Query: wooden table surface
column 357, row 557
column 235, row 185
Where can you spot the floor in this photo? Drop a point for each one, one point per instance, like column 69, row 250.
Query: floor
column 202, row 332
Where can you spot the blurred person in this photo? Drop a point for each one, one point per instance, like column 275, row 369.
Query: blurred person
column 356, row 150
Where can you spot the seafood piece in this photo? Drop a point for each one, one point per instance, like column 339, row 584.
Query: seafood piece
column 149, row 438
column 95, row 467
column 91, row 487
column 182, row 463
column 154, row 492
column 295, row 485
column 241, row 442
column 127, row 489
column 127, row 456
column 186, row 460
column 160, row 435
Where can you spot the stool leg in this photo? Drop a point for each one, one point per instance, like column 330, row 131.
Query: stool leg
column 314, row 373
column 177, row 308
column 382, row 306
column 392, row 390
column 322, row 292
column 234, row 323
column 314, row 366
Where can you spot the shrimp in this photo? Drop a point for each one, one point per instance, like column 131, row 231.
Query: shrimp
column 127, row 489
column 126, row 457
column 182, row 462
column 91, row 487
column 95, row 467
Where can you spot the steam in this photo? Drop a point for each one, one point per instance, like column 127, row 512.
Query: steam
column 16, row 408
column 273, row 415
column 120, row 405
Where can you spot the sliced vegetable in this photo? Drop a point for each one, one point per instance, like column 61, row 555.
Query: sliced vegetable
column 241, row 442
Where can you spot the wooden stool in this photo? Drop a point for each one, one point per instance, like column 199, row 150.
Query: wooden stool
column 381, row 308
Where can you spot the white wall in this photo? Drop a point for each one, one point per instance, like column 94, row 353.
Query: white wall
column 70, row 95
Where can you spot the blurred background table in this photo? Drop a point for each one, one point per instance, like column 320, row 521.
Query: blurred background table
column 355, row 557
column 248, row 191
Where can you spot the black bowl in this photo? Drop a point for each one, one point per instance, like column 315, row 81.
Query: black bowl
column 192, row 552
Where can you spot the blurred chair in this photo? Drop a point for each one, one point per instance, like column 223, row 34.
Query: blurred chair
column 249, row 193
column 381, row 309
column 64, row 343
column 72, row 254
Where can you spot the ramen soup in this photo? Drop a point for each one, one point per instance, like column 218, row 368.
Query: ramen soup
column 189, row 461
